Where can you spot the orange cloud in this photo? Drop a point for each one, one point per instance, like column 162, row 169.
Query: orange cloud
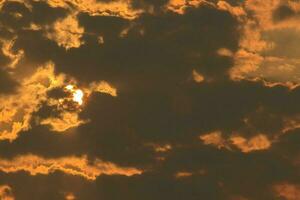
column 70, row 119
column 224, row 52
column 16, row 109
column 120, row 8
column 6, row 193
column 179, row 6
column 287, row 191
column 197, row 77
column 67, row 32
column 183, row 174
column 257, row 143
column 70, row 196
column 15, row 57
column 214, row 138
column 291, row 123
column 160, row 148
column 103, row 87
column 65, row 121
column 260, row 57
column 234, row 10
column 77, row 166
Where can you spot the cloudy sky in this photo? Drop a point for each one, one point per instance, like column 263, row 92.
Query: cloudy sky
column 149, row 99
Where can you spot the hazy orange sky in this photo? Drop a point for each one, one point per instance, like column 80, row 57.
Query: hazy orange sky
column 149, row 100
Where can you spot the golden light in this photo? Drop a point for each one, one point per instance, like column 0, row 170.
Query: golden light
column 69, row 87
column 78, row 96
column 76, row 93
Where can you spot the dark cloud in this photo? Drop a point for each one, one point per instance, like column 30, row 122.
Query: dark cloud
column 120, row 128
column 4, row 60
column 283, row 12
column 17, row 15
column 48, row 187
column 170, row 48
column 224, row 172
column 42, row 13
column 149, row 4
column 143, row 4
column 7, row 83
column 150, row 61
column 109, row 27
column 14, row 15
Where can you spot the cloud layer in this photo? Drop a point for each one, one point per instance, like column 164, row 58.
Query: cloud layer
column 149, row 99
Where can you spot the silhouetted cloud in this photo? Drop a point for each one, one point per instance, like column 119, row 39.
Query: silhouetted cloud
column 168, row 99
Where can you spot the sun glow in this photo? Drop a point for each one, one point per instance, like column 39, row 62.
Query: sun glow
column 77, row 94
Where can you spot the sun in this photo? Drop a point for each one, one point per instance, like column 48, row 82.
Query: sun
column 77, row 94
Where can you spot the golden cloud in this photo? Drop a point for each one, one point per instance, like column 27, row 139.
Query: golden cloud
column 291, row 123
column 214, row 138
column 287, row 191
column 16, row 109
column 197, row 77
column 77, row 166
column 160, row 148
column 15, row 57
column 183, row 174
column 6, row 193
column 67, row 32
column 120, row 8
column 266, row 54
column 65, row 121
column 70, row 196
column 234, row 10
column 257, row 143
column 70, row 119
column 179, row 6
column 103, row 87
column 224, row 52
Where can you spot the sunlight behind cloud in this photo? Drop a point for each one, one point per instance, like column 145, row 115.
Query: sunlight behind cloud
column 76, row 93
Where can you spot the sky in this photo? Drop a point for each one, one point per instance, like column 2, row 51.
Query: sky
column 149, row 100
